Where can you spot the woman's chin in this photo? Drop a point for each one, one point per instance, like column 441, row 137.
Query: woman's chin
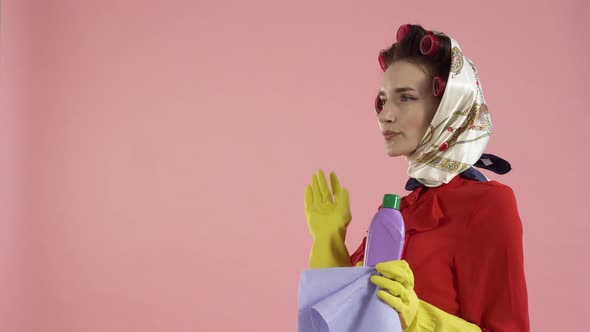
column 394, row 152
column 397, row 150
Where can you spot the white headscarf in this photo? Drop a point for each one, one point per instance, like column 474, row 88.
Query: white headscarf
column 460, row 129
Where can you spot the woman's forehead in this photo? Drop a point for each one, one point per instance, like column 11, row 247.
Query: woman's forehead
column 404, row 74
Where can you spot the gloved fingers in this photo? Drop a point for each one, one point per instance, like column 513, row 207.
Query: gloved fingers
column 397, row 270
column 315, row 189
column 393, row 287
column 406, row 267
column 324, row 188
column 341, row 195
column 393, row 301
column 344, row 196
column 335, row 183
column 308, row 198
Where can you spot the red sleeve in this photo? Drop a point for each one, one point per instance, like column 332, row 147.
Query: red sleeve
column 359, row 254
column 490, row 265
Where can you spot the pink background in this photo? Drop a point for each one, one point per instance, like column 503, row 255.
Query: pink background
column 154, row 154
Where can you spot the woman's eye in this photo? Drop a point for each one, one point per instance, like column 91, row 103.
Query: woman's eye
column 407, row 98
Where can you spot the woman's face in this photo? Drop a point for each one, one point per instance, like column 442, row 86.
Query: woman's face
column 408, row 107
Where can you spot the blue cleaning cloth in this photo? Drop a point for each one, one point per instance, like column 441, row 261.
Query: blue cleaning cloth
column 343, row 299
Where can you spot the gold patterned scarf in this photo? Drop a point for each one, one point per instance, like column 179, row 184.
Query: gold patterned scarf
column 460, row 129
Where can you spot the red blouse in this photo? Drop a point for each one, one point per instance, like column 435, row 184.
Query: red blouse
column 464, row 244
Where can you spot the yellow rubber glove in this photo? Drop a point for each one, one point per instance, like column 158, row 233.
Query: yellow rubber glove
column 397, row 290
column 328, row 214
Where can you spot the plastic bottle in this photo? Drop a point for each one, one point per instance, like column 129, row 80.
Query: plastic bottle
column 385, row 241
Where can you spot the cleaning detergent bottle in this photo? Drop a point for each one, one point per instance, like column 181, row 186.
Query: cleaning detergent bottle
column 385, row 241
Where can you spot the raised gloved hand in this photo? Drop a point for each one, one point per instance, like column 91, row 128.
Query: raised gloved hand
column 328, row 214
column 397, row 290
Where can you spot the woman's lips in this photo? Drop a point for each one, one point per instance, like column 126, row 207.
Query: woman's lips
column 389, row 135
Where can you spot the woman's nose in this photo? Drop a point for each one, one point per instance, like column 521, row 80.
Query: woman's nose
column 387, row 114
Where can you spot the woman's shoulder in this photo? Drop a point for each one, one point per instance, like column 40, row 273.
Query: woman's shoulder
column 490, row 200
column 490, row 190
column 466, row 196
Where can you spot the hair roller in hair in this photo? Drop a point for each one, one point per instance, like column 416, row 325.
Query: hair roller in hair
column 402, row 32
column 382, row 62
column 429, row 44
column 378, row 105
column 438, row 86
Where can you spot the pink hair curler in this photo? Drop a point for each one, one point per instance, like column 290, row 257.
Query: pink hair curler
column 429, row 44
column 402, row 32
column 378, row 105
column 382, row 62
column 438, row 86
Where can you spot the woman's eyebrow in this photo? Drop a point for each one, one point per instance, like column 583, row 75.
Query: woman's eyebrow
column 404, row 89
column 398, row 90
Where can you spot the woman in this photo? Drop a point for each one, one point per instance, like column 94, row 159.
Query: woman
column 462, row 268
